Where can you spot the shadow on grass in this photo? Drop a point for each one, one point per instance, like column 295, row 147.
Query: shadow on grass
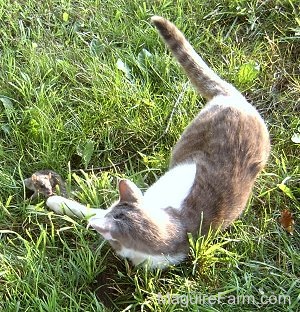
column 112, row 287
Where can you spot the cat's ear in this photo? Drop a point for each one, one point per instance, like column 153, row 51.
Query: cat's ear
column 129, row 192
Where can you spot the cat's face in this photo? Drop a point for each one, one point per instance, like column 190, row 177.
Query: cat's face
column 126, row 225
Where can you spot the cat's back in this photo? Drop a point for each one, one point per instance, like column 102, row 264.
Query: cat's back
column 228, row 125
column 229, row 143
column 228, row 131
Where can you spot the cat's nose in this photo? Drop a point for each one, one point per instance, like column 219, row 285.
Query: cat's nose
column 102, row 225
column 98, row 223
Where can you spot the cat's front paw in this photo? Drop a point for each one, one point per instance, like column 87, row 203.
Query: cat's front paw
column 64, row 206
column 57, row 204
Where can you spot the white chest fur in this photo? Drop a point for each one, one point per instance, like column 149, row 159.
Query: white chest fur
column 171, row 189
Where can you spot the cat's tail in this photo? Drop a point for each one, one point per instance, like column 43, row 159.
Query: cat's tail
column 207, row 82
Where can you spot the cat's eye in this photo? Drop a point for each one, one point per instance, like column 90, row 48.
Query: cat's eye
column 119, row 216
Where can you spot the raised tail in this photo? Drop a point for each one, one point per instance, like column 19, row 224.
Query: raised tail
column 207, row 82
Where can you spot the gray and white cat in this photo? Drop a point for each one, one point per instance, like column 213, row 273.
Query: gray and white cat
column 212, row 171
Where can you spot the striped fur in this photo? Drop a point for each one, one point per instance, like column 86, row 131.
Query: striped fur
column 207, row 82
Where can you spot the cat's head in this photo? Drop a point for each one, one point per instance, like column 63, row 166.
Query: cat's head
column 126, row 224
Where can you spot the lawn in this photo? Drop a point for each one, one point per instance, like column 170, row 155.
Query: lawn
column 88, row 89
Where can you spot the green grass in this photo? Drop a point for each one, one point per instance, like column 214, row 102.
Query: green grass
column 89, row 85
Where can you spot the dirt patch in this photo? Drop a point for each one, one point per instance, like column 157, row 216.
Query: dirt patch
column 114, row 286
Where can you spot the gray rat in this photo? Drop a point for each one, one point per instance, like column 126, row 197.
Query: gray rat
column 46, row 182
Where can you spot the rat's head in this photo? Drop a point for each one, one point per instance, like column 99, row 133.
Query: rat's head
column 40, row 183
column 126, row 224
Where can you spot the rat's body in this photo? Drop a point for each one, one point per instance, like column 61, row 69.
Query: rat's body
column 45, row 182
column 212, row 171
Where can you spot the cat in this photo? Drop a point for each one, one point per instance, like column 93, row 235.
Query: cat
column 212, row 171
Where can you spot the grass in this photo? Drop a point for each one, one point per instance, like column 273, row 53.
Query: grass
column 88, row 85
